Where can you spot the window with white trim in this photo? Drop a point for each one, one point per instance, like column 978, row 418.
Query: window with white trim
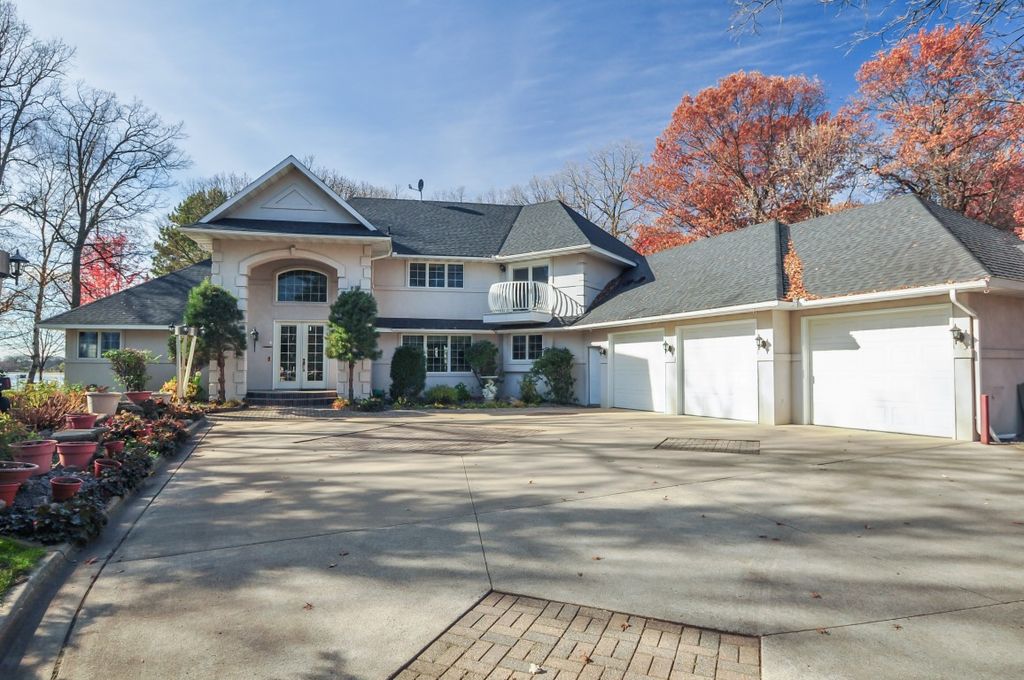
column 301, row 285
column 527, row 347
column 436, row 275
column 92, row 344
column 444, row 353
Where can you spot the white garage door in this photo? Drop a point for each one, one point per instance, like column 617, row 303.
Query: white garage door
column 639, row 371
column 720, row 371
column 891, row 372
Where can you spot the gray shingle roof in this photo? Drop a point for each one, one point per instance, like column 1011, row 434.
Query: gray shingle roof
column 551, row 225
column 298, row 227
column 736, row 268
column 158, row 302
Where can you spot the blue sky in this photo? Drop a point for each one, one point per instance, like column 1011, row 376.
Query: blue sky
column 474, row 94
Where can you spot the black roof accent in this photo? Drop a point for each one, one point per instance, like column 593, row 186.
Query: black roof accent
column 298, row 228
column 157, row 302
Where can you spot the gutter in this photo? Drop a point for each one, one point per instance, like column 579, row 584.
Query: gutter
column 921, row 291
column 699, row 314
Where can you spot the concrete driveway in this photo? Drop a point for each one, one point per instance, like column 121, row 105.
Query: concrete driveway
column 341, row 548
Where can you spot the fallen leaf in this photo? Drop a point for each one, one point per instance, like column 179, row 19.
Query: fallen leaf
column 776, row 539
column 579, row 492
column 91, row 560
column 585, row 658
column 596, row 558
column 624, row 626
column 307, row 606
column 867, row 526
column 816, row 596
column 823, row 631
column 580, row 574
column 531, row 481
column 897, row 626
column 762, row 536
column 343, row 553
column 665, row 498
column 332, row 565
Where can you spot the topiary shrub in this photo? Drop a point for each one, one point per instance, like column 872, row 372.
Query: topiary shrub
column 554, row 367
column 462, row 393
column 482, row 357
column 441, row 394
column 408, row 372
column 129, row 367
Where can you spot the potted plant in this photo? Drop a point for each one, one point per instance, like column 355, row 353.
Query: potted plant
column 63, row 488
column 7, row 493
column 39, row 452
column 76, row 454
column 16, row 472
column 114, row 447
column 101, row 464
column 80, row 421
column 129, row 367
column 99, row 399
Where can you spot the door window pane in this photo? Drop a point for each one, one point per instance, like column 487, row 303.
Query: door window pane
column 301, row 286
column 88, row 344
column 437, row 353
column 109, row 340
column 460, row 343
column 436, row 276
column 455, row 276
column 315, row 353
column 413, row 341
column 417, row 274
column 288, row 354
column 521, row 274
column 540, row 274
column 518, row 347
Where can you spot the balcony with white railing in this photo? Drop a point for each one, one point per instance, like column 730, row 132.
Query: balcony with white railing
column 528, row 302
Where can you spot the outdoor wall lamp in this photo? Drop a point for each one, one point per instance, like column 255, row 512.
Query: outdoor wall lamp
column 667, row 346
column 255, row 335
column 762, row 343
column 14, row 264
column 959, row 336
column 602, row 351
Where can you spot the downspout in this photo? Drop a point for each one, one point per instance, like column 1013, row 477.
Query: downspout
column 977, row 356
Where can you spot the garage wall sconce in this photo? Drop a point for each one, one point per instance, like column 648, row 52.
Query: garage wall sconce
column 761, row 343
column 667, row 346
column 255, row 335
column 959, row 336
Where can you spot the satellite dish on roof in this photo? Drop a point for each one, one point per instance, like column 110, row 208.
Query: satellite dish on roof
column 418, row 187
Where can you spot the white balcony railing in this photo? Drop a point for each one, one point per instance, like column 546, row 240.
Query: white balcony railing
column 509, row 297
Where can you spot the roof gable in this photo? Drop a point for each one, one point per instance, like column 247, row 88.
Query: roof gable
column 288, row 192
column 552, row 225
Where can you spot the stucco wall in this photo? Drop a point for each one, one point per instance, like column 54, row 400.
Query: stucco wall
column 396, row 299
column 1002, row 356
column 97, row 371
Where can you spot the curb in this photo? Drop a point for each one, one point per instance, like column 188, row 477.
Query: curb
column 20, row 598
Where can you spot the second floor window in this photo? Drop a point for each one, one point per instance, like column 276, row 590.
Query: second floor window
column 301, row 285
column 435, row 275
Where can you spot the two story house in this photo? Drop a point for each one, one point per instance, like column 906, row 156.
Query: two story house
column 897, row 316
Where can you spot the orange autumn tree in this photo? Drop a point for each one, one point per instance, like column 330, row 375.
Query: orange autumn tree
column 108, row 266
column 751, row 148
column 948, row 130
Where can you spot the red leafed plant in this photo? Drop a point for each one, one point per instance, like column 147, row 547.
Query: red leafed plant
column 109, row 264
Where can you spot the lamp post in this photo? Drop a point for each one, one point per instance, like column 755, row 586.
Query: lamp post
column 10, row 266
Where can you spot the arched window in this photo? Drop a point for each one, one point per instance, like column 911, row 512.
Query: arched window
column 301, row 285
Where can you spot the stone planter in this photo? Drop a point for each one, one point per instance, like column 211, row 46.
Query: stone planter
column 80, row 421
column 15, row 472
column 103, row 403
column 7, row 493
column 63, row 488
column 138, row 397
column 38, row 452
column 76, row 454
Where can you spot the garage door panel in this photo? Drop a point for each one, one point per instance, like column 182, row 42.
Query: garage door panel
column 639, row 372
column 891, row 372
column 720, row 371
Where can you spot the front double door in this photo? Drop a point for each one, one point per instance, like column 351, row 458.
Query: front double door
column 300, row 363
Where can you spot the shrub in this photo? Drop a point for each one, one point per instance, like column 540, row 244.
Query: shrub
column 528, row 392
column 482, row 357
column 462, row 393
column 340, row 404
column 10, row 431
column 193, row 390
column 441, row 394
column 370, row 404
column 554, row 366
column 42, row 406
column 408, row 372
column 126, row 425
column 129, row 367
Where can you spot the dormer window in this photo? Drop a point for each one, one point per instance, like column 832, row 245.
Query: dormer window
column 435, row 275
column 301, row 285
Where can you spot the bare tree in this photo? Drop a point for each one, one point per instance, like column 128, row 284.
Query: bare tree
column 345, row 186
column 1001, row 20
column 456, row 195
column 117, row 158
column 30, row 71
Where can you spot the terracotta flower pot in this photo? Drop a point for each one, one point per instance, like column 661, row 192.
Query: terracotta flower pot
column 16, row 472
column 80, row 421
column 114, row 447
column 76, row 454
column 37, row 452
column 63, row 488
column 138, row 397
column 8, row 491
column 101, row 464
column 104, row 403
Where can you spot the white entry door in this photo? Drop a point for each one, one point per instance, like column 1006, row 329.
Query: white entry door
column 639, row 371
column 300, row 363
column 720, row 370
column 888, row 371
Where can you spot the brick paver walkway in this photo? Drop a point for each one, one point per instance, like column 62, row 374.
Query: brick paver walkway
column 508, row 636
